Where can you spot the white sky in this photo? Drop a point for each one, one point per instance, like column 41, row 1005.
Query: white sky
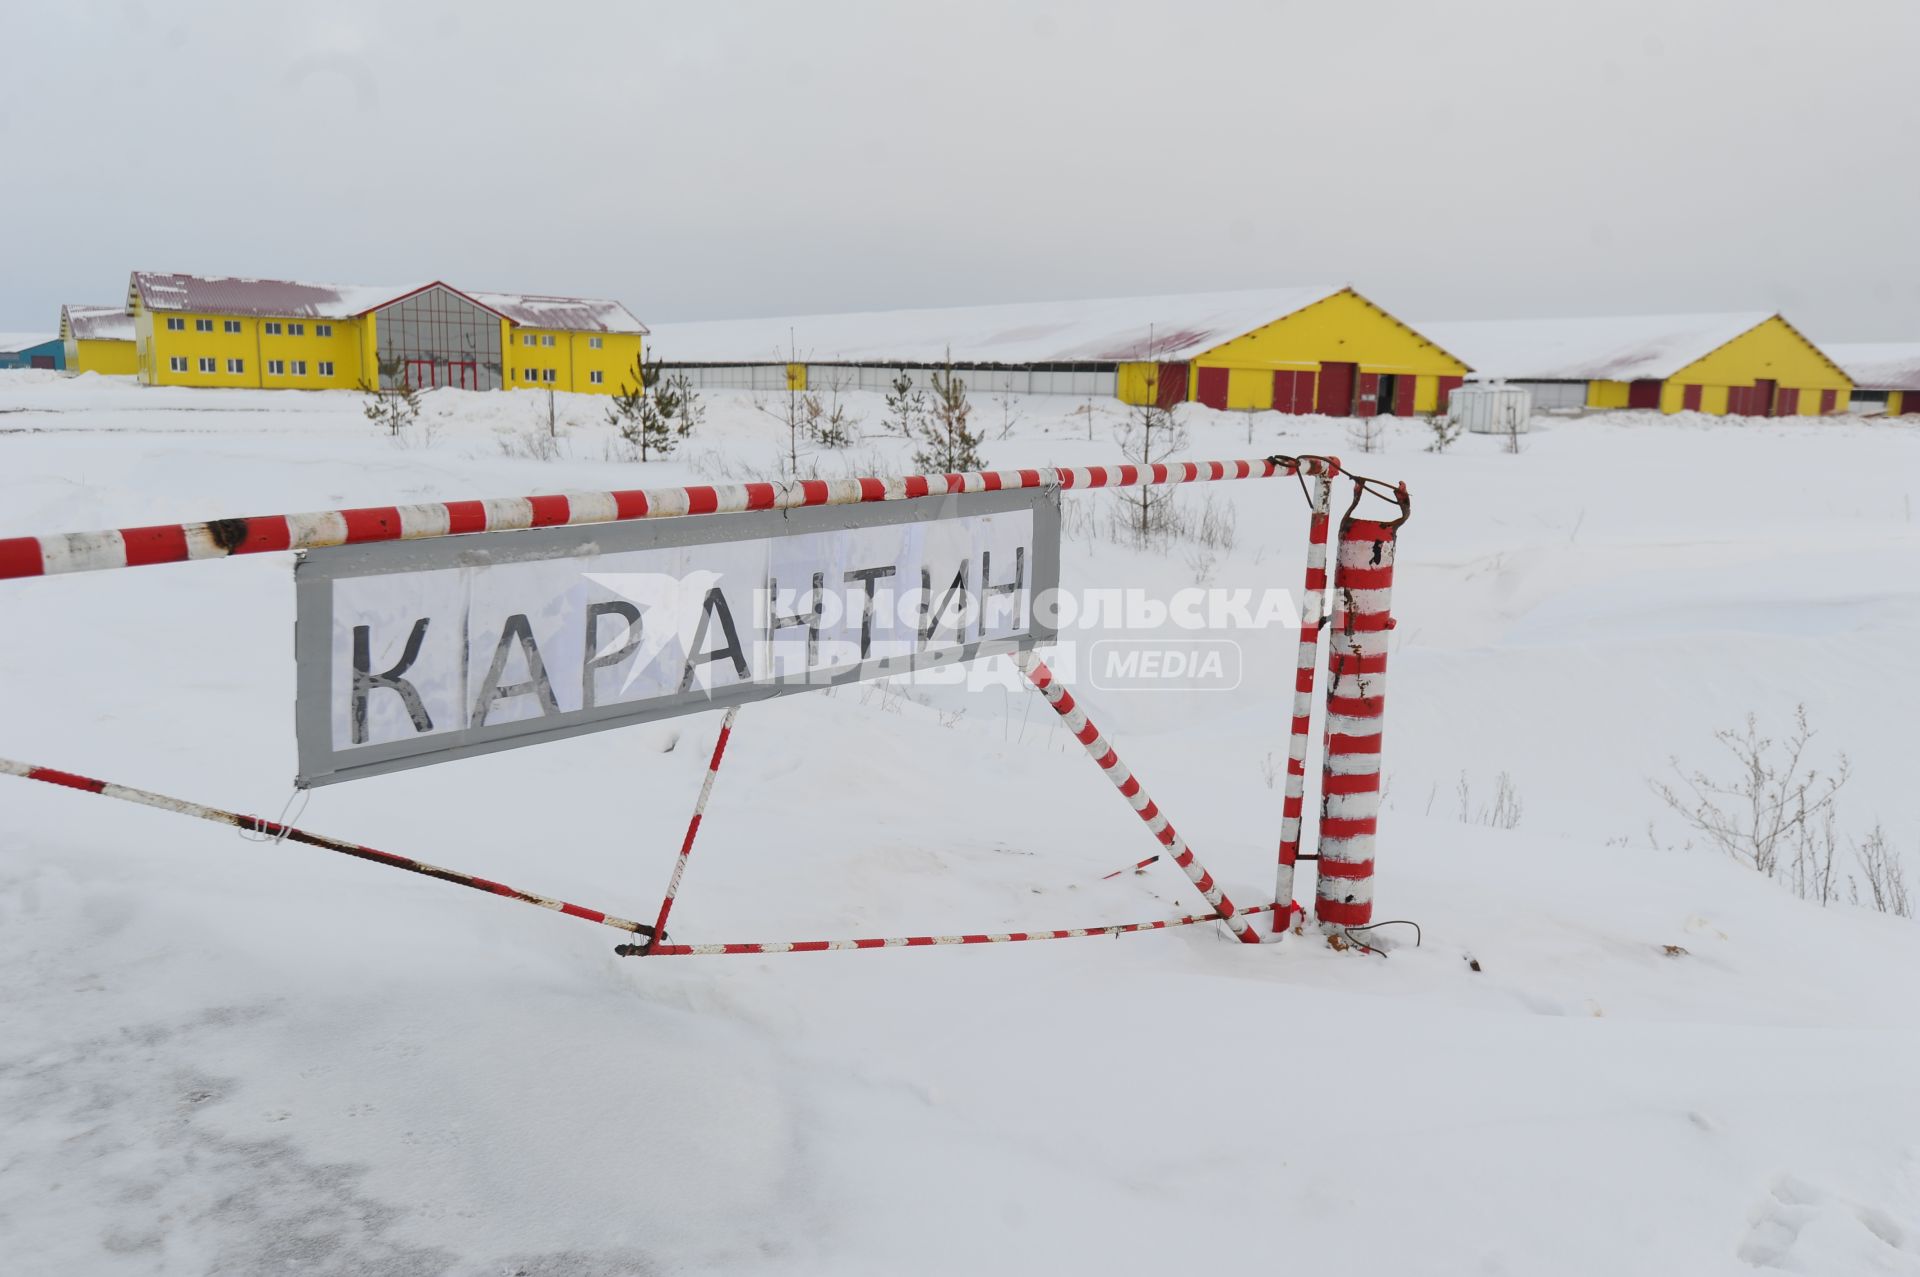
column 1469, row 158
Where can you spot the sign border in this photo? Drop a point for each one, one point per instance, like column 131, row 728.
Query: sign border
column 314, row 572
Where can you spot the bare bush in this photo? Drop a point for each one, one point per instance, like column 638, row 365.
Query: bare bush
column 1367, row 433
column 1503, row 812
column 1885, row 873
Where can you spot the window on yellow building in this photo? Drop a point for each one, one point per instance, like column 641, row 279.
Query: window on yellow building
column 175, row 324
column 177, row 363
column 529, row 374
column 326, row 367
column 299, row 367
column 203, row 325
column 596, row 376
column 276, row 367
column 547, row 340
column 232, row 325
column 594, row 343
column 209, row 364
column 323, row 330
column 547, row 375
column 296, row 330
column 273, row 327
column 236, row 365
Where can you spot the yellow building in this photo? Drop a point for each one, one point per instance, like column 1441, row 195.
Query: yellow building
column 1753, row 365
column 1886, row 375
column 98, row 339
column 194, row 330
column 1299, row 350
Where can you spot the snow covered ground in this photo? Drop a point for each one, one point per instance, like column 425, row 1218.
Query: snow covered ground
column 219, row 1055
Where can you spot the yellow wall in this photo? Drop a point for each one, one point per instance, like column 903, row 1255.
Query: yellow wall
column 159, row 345
column 1344, row 328
column 101, row 355
column 573, row 358
column 1135, row 383
column 1606, row 394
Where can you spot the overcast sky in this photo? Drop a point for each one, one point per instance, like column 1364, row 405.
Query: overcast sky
column 1450, row 158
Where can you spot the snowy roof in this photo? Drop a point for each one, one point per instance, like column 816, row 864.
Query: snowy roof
column 14, row 343
column 233, row 295
column 1878, row 365
column 97, row 323
column 1613, row 348
column 1107, row 330
column 579, row 314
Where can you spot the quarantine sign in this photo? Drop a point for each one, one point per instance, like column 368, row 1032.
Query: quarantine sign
column 411, row 653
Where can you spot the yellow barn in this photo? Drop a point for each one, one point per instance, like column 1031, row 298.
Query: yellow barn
column 1752, row 365
column 1297, row 350
column 1886, row 375
column 203, row 330
column 98, row 339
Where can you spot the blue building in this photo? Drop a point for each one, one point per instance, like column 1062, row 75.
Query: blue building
column 32, row 350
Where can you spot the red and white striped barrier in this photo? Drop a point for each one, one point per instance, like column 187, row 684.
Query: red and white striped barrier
column 222, row 538
column 921, row 942
column 693, row 826
column 254, row 824
column 1313, row 613
column 1129, row 786
column 1356, row 701
column 1135, row 867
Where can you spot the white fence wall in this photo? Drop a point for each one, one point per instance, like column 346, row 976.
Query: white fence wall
column 980, row 381
column 1551, row 395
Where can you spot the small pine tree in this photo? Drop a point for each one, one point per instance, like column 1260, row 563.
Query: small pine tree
column 906, row 405
column 948, row 445
column 637, row 414
column 394, row 403
column 1151, row 435
column 692, row 410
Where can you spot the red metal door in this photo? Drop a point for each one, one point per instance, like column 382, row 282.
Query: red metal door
column 1829, row 400
column 1403, row 388
column 464, row 375
column 1763, row 398
column 1367, row 402
column 1170, row 385
column 1690, row 398
column 1213, row 387
column 420, row 373
column 40, row 361
column 1789, row 403
column 1737, row 400
column 1283, row 390
column 1643, row 394
column 1447, row 386
column 1336, row 389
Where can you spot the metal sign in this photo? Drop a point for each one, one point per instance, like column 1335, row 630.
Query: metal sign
column 416, row 652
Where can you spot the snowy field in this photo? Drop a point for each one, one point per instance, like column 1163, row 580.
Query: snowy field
column 226, row 1056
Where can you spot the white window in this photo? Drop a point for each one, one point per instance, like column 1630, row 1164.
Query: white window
column 527, row 340
column 529, row 374
column 296, row 330
column 209, row 364
column 177, row 363
column 326, row 367
column 273, row 327
column 548, row 375
column 596, row 376
column 175, row 324
column 594, row 343
column 323, row 330
column 299, row 367
column 203, row 325
column 236, row 365
column 547, row 340
column 231, row 325
column 276, row 367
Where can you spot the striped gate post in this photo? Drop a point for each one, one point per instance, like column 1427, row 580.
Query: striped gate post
column 1356, row 703
column 1313, row 604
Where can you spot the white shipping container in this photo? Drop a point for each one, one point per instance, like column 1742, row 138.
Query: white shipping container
column 1491, row 408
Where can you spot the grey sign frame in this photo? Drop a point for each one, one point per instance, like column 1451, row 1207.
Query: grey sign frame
column 315, row 571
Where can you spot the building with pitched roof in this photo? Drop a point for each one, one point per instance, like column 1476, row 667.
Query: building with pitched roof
column 1755, row 365
column 1296, row 350
column 207, row 330
column 98, row 338
column 31, row 350
column 1885, row 374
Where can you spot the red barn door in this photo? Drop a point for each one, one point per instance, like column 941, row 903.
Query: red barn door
column 1336, row 389
column 1643, row 394
column 1367, row 402
column 1213, row 387
column 1690, row 398
column 1403, row 388
column 1447, row 386
column 1829, row 400
column 1789, row 403
column 1762, row 405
